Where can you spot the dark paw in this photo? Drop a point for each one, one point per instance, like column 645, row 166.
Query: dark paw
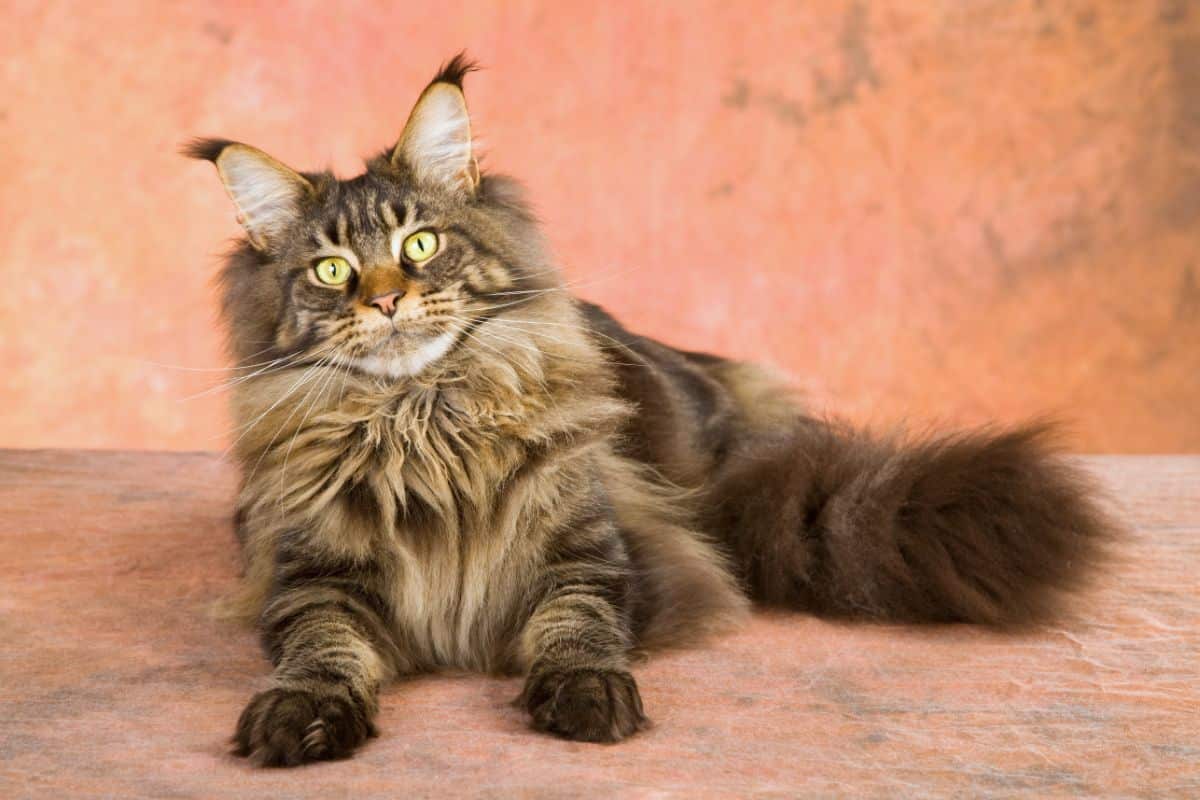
column 286, row 727
column 587, row 705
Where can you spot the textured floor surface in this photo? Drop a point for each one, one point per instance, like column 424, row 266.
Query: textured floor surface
column 114, row 682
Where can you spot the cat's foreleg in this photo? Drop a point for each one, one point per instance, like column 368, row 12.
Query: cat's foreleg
column 577, row 643
column 331, row 652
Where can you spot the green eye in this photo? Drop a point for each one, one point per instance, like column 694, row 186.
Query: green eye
column 420, row 246
column 332, row 271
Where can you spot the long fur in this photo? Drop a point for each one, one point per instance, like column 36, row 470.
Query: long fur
column 985, row 527
column 546, row 493
column 992, row 527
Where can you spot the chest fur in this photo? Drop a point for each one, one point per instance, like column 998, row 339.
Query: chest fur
column 456, row 505
column 452, row 493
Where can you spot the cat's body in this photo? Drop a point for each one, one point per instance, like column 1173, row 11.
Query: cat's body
column 450, row 493
column 449, row 461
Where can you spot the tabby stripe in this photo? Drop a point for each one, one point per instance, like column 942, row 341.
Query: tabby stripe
column 282, row 625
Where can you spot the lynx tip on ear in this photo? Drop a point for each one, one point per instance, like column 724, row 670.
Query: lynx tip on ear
column 454, row 70
column 436, row 143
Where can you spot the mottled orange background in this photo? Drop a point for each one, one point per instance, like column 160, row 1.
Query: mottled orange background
column 951, row 212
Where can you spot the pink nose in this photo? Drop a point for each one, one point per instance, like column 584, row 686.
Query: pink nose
column 385, row 302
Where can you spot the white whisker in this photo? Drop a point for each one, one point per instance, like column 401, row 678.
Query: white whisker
column 306, row 378
column 245, row 429
column 336, row 364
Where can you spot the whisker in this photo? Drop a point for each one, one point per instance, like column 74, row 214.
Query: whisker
column 182, row 368
column 477, row 339
column 587, row 331
column 336, row 364
column 307, row 377
column 274, row 366
column 304, row 376
column 564, row 287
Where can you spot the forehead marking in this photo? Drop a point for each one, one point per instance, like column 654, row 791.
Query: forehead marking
column 371, row 207
column 342, row 228
column 388, row 214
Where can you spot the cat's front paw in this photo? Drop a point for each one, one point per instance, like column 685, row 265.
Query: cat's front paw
column 587, row 705
column 286, row 727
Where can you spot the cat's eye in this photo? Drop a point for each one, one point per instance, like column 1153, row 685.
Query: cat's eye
column 420, row 246
column 332, row 271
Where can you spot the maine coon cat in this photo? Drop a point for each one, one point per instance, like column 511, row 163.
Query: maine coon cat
column 450, row 461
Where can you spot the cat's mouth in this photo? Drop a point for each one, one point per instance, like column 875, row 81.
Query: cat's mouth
column 397, row 342
column 404, row 336
column 404, row 352
column 408, row 333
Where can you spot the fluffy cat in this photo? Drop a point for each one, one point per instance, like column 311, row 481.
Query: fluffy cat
column 449, row 461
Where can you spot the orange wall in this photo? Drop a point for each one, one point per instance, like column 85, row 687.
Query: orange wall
column 922, row 211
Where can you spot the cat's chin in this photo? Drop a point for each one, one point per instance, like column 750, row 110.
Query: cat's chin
column 405, row 355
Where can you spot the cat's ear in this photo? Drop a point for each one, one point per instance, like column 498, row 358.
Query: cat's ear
column 436, row 143
column 267, row 193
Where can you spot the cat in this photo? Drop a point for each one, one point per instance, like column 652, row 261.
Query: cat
column 448, row 461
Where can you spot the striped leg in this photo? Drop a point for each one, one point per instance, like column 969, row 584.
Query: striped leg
column 577, row 643
column 331, row 653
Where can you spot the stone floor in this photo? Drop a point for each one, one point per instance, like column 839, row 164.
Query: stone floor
column 115, row 681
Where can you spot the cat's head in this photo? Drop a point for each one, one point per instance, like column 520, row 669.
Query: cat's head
column 386, row 272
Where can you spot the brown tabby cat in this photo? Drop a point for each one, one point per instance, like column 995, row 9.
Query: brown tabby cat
column 449, row 461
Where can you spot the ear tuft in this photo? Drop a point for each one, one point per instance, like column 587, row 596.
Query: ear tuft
column 204, row 149
column 454, row 70
column 436, row 143
column 267, row 194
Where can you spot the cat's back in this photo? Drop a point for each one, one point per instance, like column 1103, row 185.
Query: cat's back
column 692, row 408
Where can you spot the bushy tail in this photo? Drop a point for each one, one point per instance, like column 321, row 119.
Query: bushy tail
column 979, row 527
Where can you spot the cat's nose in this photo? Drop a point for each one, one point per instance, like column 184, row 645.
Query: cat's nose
column 385, row 302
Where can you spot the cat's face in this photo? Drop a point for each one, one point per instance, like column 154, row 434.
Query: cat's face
column 389, row 271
